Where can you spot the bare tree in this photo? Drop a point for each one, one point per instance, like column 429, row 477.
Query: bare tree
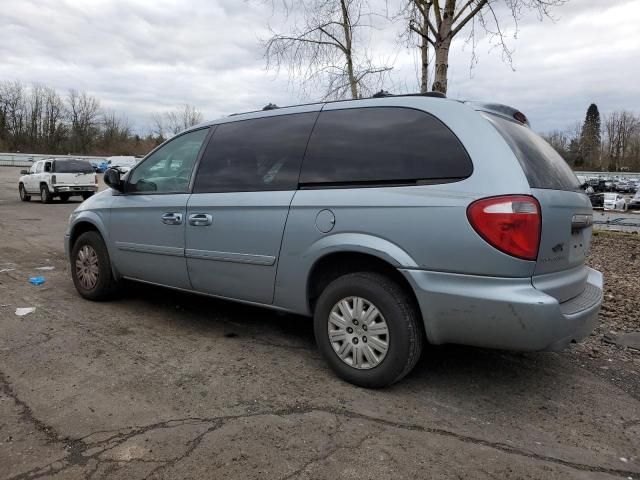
column 54, row 129
column 116, row 131
column 559, row 140
column 35, row 114
column 417, row 12
column 84, row 112
column 37, row 119
column 175, row 121
column 437, row 22
column 13, row 113
column 620, row 129
column 327, row 47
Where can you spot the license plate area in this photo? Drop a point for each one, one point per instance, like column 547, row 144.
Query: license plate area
column 579, row 244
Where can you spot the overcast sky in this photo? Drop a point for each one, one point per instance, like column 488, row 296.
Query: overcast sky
column 143, row 56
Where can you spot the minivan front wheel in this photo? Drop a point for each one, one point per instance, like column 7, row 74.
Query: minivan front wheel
column 368, row 329
column 91, row 267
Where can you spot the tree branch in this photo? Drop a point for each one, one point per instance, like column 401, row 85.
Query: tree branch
column 436, row 10
column 415, row 29
column 466, row 19
column 466, row 5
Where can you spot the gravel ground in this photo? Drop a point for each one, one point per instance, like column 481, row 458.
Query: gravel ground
column 617, row 256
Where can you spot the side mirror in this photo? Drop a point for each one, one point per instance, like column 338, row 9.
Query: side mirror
column 112, row 178
column 24, row 172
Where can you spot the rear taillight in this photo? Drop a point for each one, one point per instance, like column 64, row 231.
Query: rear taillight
column 510, row 223
column 53, row 179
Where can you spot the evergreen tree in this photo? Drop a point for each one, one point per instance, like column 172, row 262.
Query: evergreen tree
column 590, row 137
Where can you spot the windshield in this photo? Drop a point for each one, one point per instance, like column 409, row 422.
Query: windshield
column 72, row 166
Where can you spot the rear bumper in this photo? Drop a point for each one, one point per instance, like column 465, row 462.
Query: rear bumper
column 505, row 313
column 75, row 188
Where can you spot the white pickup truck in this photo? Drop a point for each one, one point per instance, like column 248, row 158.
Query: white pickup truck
column 56, row 177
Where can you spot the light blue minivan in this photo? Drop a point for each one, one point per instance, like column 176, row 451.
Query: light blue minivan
column 393, row 221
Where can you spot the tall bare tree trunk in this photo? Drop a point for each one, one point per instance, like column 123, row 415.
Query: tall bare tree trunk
column 346, row 25
column 424, row 53
column 442, row 46
column 442, row 66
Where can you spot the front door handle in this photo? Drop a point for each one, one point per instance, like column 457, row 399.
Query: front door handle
column 172, row 218
column 200, row 219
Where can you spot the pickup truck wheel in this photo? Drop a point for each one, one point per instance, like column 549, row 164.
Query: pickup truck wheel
column 87, row 195
column 368, row 329
column 45, row 195
column 91, row 267
column 64, row 197
column 23, row 194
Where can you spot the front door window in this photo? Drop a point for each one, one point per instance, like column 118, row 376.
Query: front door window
column 168, row 169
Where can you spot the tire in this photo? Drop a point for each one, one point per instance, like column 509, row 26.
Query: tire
column 23, row 194
column 86, row 195
column 404, row 338
column 64, row 197
column 45, row 194
column 105, row 285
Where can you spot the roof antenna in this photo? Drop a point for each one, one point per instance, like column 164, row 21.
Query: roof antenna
column 270, row 106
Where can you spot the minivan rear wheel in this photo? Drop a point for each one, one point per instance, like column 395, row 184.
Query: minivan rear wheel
column 368, row 329
column 91, row 267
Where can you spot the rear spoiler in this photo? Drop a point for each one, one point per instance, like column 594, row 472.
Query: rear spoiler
column 499, row 109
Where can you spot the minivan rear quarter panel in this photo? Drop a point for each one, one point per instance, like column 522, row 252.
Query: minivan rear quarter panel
column 428, row 223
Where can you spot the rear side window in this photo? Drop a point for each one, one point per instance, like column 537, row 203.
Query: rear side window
column 255, row 155
column 382, row 145
column 542, row 165
column 72, row 166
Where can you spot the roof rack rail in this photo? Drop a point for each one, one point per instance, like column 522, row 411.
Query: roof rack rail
column 381, row 94
column 384, row 93
column 433, row 94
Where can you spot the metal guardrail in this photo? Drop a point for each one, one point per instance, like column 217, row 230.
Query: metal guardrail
column 15, row 163
column 619, row 222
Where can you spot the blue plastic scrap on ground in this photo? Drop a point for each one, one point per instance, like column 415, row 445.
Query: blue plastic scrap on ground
column 37, row 280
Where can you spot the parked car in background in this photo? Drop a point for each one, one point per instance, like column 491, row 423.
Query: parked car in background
column 598, row 184
column 392, row 221
column 62, row 178
column 597, row 200
column 99, row 166
column 614, row 201
column 623, row 186
column 122, row 163
column 634, row 203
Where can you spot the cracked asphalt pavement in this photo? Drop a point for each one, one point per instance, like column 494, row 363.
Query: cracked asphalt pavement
column 164, row 385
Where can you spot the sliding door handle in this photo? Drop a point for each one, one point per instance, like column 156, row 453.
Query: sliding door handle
column 172, row 218
column 200, row 219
